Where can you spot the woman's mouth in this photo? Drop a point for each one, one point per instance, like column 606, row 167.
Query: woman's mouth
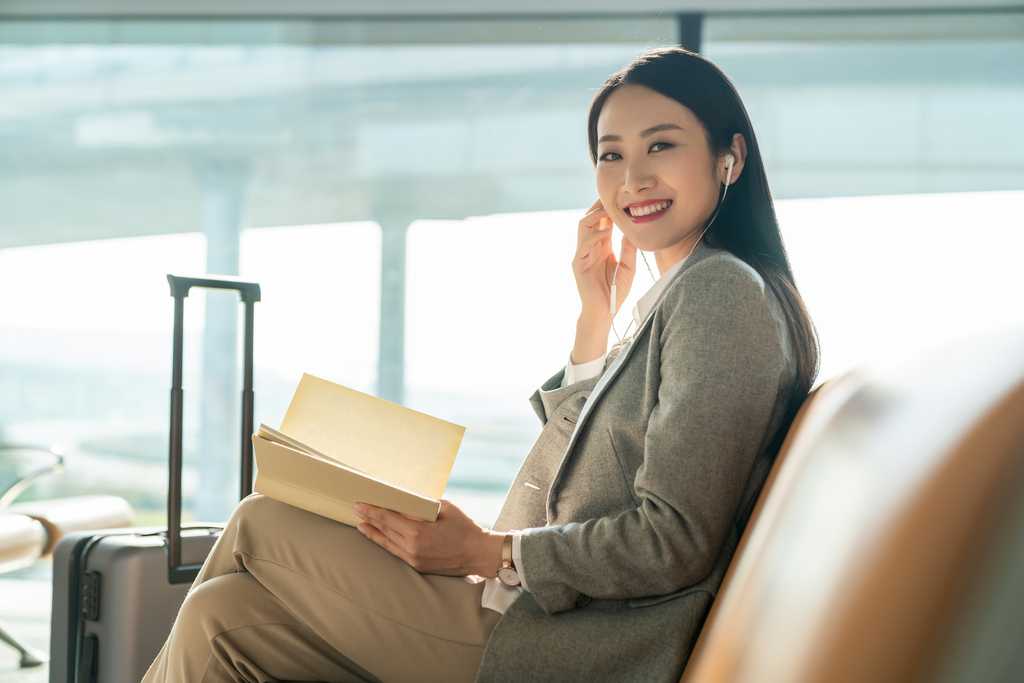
column 648, row 211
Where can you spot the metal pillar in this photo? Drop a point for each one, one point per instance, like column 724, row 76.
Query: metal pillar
column 223, row 185
column 690, row 31
column 391, row 358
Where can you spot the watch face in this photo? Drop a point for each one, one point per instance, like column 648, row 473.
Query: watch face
column 508, row 576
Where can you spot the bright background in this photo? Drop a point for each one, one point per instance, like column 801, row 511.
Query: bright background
column 406, row 189
column 491, row 313
column 406, row 193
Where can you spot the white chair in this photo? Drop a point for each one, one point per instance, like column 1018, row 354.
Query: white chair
column 30, row 530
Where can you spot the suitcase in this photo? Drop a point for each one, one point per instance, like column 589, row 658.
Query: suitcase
column 117, row 593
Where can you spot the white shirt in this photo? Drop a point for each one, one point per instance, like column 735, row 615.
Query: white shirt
column 498, row 596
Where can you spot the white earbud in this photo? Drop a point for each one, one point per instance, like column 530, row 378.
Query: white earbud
column 729, row 160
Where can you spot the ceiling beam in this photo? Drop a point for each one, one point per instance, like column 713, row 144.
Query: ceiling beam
column 464, row 8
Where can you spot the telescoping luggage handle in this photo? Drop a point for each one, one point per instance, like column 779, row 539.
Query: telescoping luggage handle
column 180, row 286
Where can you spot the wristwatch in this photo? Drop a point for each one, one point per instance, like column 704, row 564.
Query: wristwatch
column 507, row 573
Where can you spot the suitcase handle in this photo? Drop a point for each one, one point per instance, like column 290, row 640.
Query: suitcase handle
column 180, row 286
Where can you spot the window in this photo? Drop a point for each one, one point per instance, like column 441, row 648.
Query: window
column 406, row 193
column 295, row 153
column 895, row 148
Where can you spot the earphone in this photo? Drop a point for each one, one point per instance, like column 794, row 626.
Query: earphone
column 730, row 161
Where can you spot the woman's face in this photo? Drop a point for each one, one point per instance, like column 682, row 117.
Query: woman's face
column 655, row 175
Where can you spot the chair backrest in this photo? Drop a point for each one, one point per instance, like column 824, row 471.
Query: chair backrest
column 717, row 645
column 879, row 513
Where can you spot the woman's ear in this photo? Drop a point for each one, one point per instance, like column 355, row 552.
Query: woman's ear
column 738, row 149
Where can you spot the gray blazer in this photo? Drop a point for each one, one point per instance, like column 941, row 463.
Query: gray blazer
column 646, row 475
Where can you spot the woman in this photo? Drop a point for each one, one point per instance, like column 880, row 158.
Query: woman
column 631, row 502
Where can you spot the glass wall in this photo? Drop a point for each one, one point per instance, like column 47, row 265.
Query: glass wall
column 295, row 153
column 407, row 193
column 861, row 105
column 894, row 144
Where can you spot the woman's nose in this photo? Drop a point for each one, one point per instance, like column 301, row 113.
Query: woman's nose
column 638, row 178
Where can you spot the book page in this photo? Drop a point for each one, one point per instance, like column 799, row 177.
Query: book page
column 384, row 440
column 271, row 434
column 328, row 488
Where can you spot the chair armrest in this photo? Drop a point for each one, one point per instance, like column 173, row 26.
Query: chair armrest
column 21, row 541
column 61, row 516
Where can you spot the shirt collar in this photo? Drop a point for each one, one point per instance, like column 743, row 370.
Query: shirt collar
column 648, row 300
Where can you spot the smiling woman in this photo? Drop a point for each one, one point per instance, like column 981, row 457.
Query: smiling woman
column 692, row 137
column 625, row 514
column 659, row 181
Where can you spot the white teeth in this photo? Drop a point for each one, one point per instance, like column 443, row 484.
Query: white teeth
column 649, row 209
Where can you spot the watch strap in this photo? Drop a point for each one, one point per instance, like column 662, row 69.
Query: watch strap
column 506, row 550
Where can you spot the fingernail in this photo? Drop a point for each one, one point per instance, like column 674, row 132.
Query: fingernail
column 361, row 529
column 358, row 510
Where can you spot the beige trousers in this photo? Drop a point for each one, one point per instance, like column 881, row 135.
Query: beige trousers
column 287, row 595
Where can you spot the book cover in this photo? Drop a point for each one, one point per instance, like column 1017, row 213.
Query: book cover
column 338, row 446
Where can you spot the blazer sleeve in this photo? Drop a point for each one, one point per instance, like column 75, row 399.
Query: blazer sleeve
column 721, row 365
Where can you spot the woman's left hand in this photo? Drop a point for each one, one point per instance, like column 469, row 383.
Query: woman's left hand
column 454, row 545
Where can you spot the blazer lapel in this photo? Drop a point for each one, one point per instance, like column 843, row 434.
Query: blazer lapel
column 700, row 252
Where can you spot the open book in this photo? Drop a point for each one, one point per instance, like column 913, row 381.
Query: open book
column 337, row 447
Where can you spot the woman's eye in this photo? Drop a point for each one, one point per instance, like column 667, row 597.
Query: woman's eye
column 659, row 146
column 610, row 156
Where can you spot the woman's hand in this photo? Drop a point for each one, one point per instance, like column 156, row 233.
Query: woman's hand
column 593, row 266
column 454, row 545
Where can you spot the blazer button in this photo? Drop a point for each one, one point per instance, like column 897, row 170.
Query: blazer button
column 583, row 601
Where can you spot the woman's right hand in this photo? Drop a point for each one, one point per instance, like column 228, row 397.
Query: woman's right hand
column 593, row 267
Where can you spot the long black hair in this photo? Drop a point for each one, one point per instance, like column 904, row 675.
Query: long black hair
column 746, row 224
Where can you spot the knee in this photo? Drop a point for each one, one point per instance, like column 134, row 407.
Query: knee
column 252, row 504
column 254, row 508
column 203, row 603
column 211, row 607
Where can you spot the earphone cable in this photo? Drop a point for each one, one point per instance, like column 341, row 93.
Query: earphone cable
column 649, row 271
column 615, row 275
